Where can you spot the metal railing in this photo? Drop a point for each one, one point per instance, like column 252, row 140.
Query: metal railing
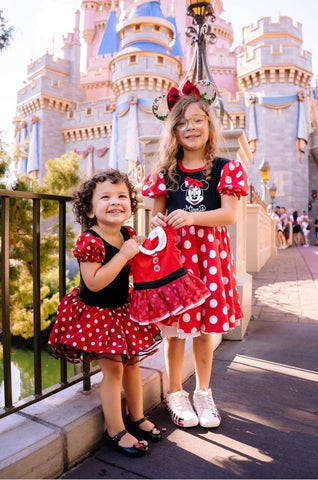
column 87, row 370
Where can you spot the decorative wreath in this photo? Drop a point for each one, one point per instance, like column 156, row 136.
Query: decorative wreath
column 203, row 89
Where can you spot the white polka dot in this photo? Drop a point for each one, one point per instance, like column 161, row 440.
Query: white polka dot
column 211, row 237
column 200, row 233
column 213, row 303
column 194, row 330
column 205, row 263
column 204, row 279
column 161, row 187
column 192, row 230
column 187, row 244
column 232, row 318
column 239, row 174
column 203, row 248
column 228, row 179
column 213, row 286
column 223, row 254
column 213, row 270
column 212, row 254
column 224, row 310
column 226, row 327
column 198, row 316
column 225, row 280
column 231, row 292
column 231, row 166
column 186, row 317
column 213, row 319
column 195, row 258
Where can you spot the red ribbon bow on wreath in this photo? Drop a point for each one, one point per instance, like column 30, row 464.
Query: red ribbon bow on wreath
column 174, row 95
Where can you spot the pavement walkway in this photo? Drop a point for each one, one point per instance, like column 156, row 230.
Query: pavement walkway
column 265, row 387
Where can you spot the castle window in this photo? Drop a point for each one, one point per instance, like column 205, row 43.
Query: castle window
column 221, row 59
column 71, row 115
column 156, row 28
column 137, row 28
column 88, row 111
column 160, row 60
column 132, row 59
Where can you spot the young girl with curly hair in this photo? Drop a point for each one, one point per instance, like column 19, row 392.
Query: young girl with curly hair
column 94, row 318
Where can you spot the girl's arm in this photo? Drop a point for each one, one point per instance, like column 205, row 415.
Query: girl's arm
column 225, row 215
column 97, row 276
column 158, row 214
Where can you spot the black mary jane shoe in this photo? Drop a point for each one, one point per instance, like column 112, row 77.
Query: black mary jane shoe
column 138, row 449
column 134, row 428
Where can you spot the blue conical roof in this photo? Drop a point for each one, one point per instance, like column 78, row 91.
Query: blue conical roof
column 149, row 9
column 176, row 50
column 110, row 42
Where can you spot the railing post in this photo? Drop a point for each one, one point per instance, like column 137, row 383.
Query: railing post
column 37, row 299
column 5, row 252
column 62, row 271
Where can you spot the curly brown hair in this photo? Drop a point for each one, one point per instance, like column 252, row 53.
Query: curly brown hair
column 82, row 198
column 170, row 152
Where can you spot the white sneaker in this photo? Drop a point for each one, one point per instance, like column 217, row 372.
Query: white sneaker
column 208, row 414
column 180, row 409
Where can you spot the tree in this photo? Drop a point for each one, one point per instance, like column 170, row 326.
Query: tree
column 5, row 33
column 62, row 174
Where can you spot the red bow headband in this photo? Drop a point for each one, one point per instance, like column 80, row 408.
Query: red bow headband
column 174, row 95
column 202, row 89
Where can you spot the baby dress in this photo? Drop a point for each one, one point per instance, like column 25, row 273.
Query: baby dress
column 162, row 285
column 98, row 323
column 205, row 251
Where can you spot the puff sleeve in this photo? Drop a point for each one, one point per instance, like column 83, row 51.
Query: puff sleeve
column 89, row 248
column 154, row 186
column 233, row 180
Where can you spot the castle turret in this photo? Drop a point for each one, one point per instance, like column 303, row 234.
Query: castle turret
column 143, row 69
column 275, row 74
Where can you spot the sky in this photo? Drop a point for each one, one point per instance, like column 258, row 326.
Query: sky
column 39, row 26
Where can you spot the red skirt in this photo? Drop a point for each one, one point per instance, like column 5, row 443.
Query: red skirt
column 156, row 304
column 99, row 332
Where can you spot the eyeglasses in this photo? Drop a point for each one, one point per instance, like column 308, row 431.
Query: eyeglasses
column 196, row 121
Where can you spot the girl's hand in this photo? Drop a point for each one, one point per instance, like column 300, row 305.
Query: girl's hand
column 139, row 239
column 159, row 220
column 179, row 218
column 129, row 248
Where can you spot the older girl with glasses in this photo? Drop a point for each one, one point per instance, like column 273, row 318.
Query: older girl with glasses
column 196, row 192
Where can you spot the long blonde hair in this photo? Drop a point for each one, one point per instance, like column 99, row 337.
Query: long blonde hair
column 170, row 152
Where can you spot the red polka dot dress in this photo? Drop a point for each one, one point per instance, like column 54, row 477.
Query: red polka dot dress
column 205, row 251
column 98, row 323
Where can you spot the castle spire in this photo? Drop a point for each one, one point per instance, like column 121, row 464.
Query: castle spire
column 110, row 41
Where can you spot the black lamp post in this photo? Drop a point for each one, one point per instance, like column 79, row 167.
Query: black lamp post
column 272, row 193
column 200, row 34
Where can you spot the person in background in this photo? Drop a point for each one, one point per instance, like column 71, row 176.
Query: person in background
column 305, row 227
column 285, row 224
column 296, row 227
column 316, row 231
column 281, row 239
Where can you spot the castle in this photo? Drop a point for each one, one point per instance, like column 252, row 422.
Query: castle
column 136, row 51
